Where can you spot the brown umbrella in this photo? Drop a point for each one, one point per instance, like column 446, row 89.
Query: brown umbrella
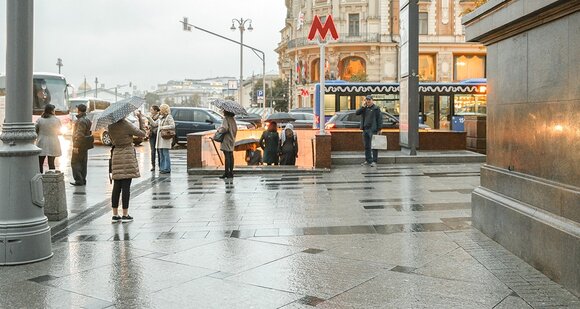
column 246, row 144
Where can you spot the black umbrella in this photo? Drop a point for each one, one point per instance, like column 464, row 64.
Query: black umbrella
column 246, row 144
column 229, row 106
column 280, row 117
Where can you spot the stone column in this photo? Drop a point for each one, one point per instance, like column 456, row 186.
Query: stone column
column 529, row 198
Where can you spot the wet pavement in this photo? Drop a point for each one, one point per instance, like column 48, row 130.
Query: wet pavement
column 395, row 236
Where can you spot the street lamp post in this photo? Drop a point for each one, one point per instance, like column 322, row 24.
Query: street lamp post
column 24, row 229
column 187, row 27
column 242, row 27
column 96, row 86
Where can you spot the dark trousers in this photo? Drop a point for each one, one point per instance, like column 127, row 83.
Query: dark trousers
column 121, row 186
column 50, row 162
column 78, row 163
column 229, row 165
column 154, row 151
column 371, row 155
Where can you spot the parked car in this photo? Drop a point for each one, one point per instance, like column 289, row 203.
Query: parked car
column 101, row 135
column 302, row 110
column 303, row 119
column 349, row 119
column 252, row 118
column 197, row 119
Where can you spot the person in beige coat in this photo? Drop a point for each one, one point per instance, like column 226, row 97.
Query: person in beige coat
column 230, row 128
column 124, row 164
column 165, row 121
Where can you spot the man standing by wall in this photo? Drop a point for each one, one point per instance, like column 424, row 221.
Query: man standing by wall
column 79, row 157
column 371, row 123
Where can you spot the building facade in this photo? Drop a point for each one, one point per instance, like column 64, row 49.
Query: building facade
column 368, row 47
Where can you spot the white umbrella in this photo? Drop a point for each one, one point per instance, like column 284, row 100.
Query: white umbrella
column 230, row 106
column 117, row 111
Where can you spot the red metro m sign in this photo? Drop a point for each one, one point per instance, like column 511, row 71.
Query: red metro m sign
column 322, row 30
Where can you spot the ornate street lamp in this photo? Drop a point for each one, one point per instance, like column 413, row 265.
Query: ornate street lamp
column 241, row 25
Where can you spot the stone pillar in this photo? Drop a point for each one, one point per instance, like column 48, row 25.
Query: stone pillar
column 529, row 198
column 475, row 127
column 194, row 151
column 322, row 151
column 54, row 196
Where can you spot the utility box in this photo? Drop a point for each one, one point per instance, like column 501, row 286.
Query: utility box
column 55, row 208
column 457, row 123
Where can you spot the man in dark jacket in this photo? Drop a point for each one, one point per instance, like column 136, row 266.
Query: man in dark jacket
column 82, row 130
column 371, row 123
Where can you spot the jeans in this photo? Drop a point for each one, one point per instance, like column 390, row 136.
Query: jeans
column 164, row 161
column 371, row 155
column 78, row 163
column 154, row 151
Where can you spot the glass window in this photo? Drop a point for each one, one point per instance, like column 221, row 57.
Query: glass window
column 470, row 104
column 423, row 22
column 353, row 24
column 353, row 117
column 344, row 102
column 201, row 116
column 468, row 66
column 329, row 108
column 353, row 68
column 427, row 67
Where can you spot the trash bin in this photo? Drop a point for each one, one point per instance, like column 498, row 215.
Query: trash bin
column 457, row 123
column 54, row 195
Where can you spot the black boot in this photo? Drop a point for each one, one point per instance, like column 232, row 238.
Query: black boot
column 225, row 175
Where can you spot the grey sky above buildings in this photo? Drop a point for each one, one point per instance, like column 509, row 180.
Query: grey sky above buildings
column 142, row 41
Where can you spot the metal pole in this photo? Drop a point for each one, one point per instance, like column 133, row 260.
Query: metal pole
column 24, row 230
column 241, row 63
column 322, row 90
column 264, row 84
column 85, row 86
column 96, row 86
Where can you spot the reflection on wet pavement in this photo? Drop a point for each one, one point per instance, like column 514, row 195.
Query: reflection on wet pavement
column 398, row 236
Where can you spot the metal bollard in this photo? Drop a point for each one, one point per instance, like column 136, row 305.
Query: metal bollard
column 54, row 195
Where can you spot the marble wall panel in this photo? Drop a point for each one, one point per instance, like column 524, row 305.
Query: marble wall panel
column 574, row 54
column 548, row 62
column 512, row 70
column 540, row 139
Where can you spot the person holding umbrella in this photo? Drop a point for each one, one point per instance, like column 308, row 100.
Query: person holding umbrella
column 123, row 164
column 230, row 129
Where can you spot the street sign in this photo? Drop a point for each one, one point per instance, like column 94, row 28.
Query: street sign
column 260, row 93
column 322, row 30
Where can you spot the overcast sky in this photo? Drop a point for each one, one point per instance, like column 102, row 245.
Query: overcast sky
column 142, row 41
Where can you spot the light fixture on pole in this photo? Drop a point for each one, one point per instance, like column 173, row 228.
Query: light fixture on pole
column 59, row 64
column 187, row 27
column 241, row 25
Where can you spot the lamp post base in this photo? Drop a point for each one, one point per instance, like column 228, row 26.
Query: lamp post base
column 25, row 242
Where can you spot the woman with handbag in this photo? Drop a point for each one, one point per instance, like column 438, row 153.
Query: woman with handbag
column 165, row 134
column 124, row 165
column 48, row 129
column 154, row 110
column 229, row 128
